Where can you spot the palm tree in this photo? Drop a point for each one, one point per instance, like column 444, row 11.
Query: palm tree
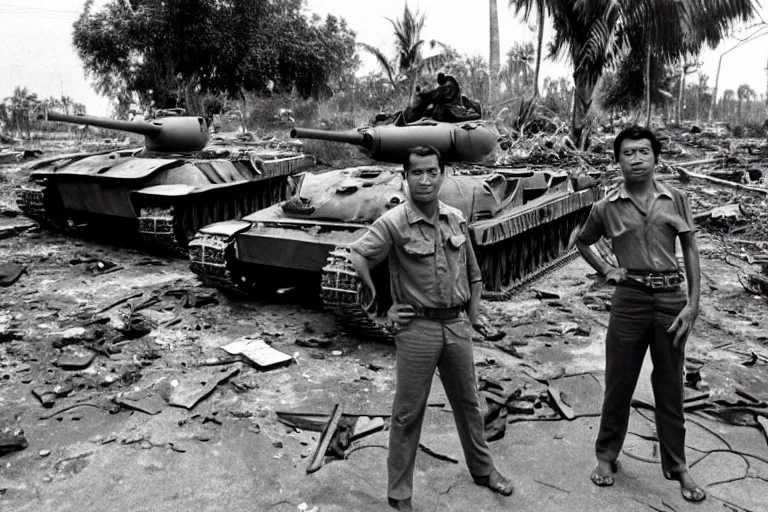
column 701, row 89
column 744, row 92
column 686, row 68
column 586, row 33
column 541, row 7
column 21, row 105
column 405, row 68
column 493, row 61
column 671, row 30
column 728, row 96
column 518, row 68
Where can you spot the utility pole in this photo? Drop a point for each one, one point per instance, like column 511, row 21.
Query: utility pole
column 760, row 32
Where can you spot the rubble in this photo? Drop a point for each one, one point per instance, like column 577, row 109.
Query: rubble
column 197, row 384
column 11, row 440
column 10, row 273
column 257, row 352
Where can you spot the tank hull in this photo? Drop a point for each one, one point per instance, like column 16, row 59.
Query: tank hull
column 162, row 198
column 520, row 223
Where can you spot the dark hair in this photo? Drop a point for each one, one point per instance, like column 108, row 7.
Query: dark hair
column 636, row 133
column 422, row 151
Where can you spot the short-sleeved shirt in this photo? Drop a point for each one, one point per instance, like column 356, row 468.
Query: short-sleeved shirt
column 430, row 266
column 642, row 240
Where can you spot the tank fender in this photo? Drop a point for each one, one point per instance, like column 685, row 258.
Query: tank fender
column 175, row 190
column 228, row 228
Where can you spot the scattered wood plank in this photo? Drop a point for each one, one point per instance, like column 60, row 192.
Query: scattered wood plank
column 717, row 181
column 316, row 462
column 436, row 455
column 257, row 352
column 118, row 302
column 563, row 408
column 196, row 385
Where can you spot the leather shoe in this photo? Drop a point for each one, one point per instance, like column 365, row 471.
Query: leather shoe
column 402, row 505
column 496, row 482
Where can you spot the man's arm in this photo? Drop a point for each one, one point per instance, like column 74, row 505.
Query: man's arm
column 475, row 280
column 594, row 259
column 684, row 321
column 692, row 268
column 592, row 231
column 370, row 250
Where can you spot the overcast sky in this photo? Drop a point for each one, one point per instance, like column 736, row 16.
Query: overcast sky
column 36, row 44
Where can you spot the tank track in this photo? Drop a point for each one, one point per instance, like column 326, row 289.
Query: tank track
column 171, row 228
column 34, row 201
column 344, row 293
column 211, row 258
column 522, row 283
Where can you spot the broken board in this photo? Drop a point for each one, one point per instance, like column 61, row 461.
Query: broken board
column 257, row 352
column 196, row 385
column 148, row 403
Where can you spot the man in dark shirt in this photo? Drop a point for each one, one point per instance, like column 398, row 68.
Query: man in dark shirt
column 644, row 218
column 436, row 284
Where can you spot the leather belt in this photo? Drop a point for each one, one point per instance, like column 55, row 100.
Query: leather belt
column 439, row 313
column 653, row 281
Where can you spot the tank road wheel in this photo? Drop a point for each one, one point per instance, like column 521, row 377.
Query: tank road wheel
column 211, row 258
column 345, row 295
column 157, row 227
column 38, row 202
column 172, row 227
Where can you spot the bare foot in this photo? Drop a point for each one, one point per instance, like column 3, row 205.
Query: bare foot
column 602, row 475
column 689, row 488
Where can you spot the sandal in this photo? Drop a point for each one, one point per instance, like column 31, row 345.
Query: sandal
column 604, row 480
column 601, row 480
column 694, row 495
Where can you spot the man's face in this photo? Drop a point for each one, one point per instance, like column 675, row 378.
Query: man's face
column 636, row 160
column 424, row 178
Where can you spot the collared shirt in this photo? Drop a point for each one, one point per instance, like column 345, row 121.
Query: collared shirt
column 642, row 240
column 430, row 266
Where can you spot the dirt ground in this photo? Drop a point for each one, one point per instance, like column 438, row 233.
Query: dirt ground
column 229, row 452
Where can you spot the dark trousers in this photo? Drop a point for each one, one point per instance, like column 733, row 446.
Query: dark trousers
column 640, row 320
column 422, row 346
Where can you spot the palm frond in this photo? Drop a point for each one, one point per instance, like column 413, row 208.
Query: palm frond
column 382, row 60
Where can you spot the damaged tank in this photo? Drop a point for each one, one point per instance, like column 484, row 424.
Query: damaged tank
column 163, row 192
column 520, row 223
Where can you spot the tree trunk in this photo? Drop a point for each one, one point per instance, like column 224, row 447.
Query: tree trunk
column 493, row 61
column 582, row 101
column 244, row 117
column 540, row 45
column 698, row 98
column 739, row 115
column 679, row 113
column 648, row 106
column 714, row 93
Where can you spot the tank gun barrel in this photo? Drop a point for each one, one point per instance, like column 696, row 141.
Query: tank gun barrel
column 175, row 134
column 141, row 128
column 469, row 142
column 348, row 136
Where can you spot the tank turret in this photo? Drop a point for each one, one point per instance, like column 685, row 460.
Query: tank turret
column 468, row 142
column 176, row 134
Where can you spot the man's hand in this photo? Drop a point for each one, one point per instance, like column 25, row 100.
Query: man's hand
column 614, row 275
column 683, row 324
column 401, row 313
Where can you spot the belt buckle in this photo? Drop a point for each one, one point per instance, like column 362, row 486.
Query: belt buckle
column 655, row 281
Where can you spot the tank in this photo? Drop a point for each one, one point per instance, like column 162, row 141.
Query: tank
column 520, row 223
column 162, row 193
